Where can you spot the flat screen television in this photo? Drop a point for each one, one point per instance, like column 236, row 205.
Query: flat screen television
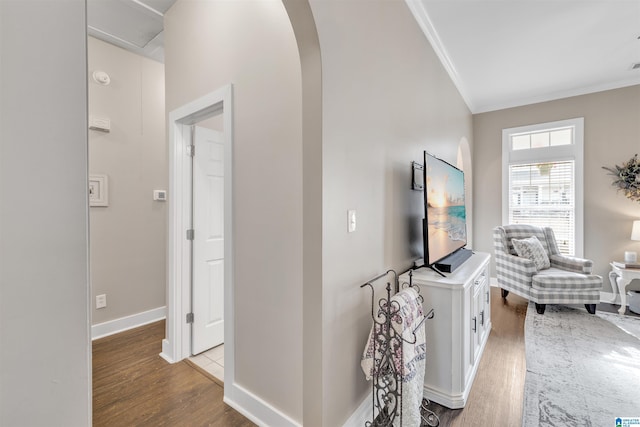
column 444, row 226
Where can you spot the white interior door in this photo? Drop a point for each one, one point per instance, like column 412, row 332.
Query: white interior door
column 208, row 244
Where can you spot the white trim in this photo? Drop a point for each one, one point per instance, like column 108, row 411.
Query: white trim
column 122, row 324
column 177, row 343
column 166, row 350
column 611, row 298
column 153, row 49
column 586, row 90
column 362, row 414
column 424, row 22
column 177, row 248
column 252, row 407
column 574, row 152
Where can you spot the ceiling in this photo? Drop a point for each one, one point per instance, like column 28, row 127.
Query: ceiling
column 499, row 53
column 506, row 53
column 135, row 25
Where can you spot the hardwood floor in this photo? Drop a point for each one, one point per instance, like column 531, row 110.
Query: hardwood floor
column 134, row 386
column 498, row 390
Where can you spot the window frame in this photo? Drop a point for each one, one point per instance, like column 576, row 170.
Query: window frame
column 574, row 152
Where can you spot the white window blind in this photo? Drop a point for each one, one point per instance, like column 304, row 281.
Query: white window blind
column 543, row 194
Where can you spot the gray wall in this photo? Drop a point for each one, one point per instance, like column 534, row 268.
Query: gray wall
column 611, row 136
column 252, row 45
column 382, row 106
column 128, row 237
column 386, row 98
column 44, row 317
column 306, row 35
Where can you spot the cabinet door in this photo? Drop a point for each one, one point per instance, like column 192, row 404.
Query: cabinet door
column 479, row 313
column 485, row 316
column 477, row 321
column 468, row 335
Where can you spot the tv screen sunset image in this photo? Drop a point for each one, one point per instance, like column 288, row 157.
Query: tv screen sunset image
column 446, row 217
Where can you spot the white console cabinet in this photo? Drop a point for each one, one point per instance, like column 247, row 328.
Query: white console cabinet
column 457, row 334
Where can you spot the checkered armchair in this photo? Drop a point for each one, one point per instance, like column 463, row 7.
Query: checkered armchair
column 568, row 280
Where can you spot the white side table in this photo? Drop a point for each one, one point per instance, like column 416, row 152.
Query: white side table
column 620, row 278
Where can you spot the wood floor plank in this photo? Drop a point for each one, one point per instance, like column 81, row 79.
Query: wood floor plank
column 134, row 386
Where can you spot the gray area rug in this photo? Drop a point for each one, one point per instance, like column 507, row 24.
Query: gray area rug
column 582, row 370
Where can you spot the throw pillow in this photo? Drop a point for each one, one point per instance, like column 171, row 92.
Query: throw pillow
column 532, row 249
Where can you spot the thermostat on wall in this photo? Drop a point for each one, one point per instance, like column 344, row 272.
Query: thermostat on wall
column 160, row 195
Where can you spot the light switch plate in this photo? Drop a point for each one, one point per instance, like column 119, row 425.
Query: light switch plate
column 101, row 301
column 351, row 221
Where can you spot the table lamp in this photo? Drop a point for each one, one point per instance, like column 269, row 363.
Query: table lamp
column 630, row 256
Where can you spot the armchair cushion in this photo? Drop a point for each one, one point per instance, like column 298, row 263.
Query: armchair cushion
column 557, row 279
column 532, row 249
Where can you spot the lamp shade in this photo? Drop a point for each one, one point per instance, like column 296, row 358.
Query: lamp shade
column 635, row 231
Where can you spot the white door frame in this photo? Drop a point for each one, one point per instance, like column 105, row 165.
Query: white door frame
column 176, row 345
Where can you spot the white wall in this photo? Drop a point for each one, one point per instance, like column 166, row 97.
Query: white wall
column 44, row 321
column 209, row 45
column 611, row 137
column 386, row 98
column 128, row 237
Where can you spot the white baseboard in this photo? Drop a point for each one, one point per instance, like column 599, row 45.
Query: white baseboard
column 122, row 324
column 362, row 414
column 255, row 409
column 610, row 298
column 165, row 351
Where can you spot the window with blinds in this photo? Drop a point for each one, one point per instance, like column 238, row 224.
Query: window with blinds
column 542, row 179
column 542, row 194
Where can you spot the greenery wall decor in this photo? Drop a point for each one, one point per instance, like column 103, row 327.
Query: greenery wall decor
column 627, row 178
column 545, row 168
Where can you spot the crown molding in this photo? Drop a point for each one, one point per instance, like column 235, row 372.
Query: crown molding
column 424, row 22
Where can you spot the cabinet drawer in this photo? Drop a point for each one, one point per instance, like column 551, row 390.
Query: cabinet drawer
column 480, row 280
